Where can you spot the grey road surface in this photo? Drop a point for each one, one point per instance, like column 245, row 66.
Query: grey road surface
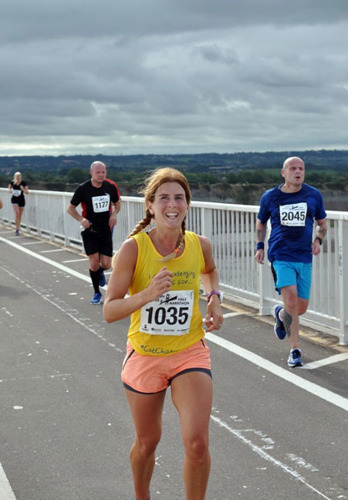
column 65, row 426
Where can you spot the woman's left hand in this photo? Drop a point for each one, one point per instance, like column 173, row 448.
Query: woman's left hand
column 214, row 317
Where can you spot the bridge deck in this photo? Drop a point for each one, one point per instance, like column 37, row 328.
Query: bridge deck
column 66, row 428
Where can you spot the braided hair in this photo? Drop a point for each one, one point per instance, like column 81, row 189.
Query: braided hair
column 146, row 221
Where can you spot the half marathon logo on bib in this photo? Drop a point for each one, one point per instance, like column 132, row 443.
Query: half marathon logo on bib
column 170, row 314
column 293, row 215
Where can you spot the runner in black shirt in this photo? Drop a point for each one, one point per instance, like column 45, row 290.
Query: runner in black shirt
column 100, row 202
column 18, row 188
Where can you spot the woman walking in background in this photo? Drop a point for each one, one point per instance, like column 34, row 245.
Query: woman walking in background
column 162, row 269
column 18, row 188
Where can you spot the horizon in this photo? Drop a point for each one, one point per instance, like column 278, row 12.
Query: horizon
column 270, row 151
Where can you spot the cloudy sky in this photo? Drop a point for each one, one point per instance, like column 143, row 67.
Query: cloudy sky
column 172, row 76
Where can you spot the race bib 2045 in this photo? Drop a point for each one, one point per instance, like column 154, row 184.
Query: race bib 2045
column 293, row 215
column 170, row 314
column 101, row 203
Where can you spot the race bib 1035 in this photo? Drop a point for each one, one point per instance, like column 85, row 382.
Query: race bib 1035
column 170, row 314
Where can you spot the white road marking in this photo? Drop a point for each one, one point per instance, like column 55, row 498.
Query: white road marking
column 266, row 456
column 336, row 358
column 36, row 242
column 6, row 311
column 234, row 314
column 75, row 260
column 36, row 377
column 302, row 463
column 48, row 261
column 67, row 311
column 6, row 492
column 54, row 250
column 300, row 382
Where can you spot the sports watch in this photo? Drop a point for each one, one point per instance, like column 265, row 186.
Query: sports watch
column 215, row 292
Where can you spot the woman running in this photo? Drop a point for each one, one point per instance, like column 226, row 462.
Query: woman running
column 162, row 269
column 18, row 188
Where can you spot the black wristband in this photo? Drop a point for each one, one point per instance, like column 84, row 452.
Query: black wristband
column 319, row 239
column 260, row 245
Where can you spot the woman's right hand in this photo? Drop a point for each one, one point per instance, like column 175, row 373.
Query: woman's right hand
column 160, row 284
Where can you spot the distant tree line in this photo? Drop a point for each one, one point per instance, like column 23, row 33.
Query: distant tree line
column 325, row 169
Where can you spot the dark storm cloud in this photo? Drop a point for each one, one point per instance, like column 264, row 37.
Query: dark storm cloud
column 164, row 76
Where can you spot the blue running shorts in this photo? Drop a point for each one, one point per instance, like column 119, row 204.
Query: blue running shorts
column 293, row 273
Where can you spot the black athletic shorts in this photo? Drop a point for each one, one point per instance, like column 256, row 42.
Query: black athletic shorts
column 19, row 200
column 97, row 241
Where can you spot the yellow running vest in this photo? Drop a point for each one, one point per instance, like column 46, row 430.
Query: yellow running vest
column 173, row 322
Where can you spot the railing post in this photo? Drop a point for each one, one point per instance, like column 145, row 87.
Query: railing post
column 65, row 222
column 38, row 215
column 207, row 222
column 265, row 290
column 131, row 209
column 343, row 280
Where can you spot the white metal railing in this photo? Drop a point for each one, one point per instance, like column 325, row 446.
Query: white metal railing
column 231, row 229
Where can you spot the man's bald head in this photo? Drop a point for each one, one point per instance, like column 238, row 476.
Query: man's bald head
column 98, row 173
column 293, row 160
column 97, row 164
